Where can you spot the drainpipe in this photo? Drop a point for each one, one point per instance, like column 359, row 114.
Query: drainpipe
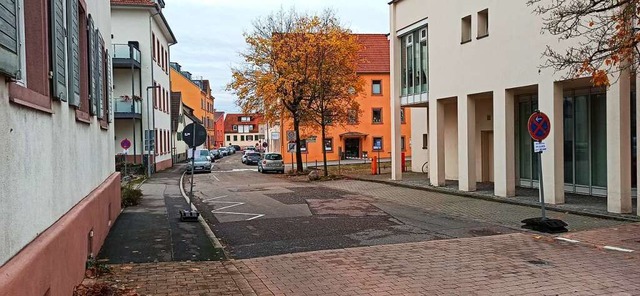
column 152, row 80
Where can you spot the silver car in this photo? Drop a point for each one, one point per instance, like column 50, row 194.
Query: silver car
column 201, row 164
column 271, row 162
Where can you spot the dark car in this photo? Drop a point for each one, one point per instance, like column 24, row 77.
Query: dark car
column 237, row 147
column 253, row 158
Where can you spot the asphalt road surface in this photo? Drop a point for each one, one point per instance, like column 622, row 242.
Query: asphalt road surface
column 257, row 215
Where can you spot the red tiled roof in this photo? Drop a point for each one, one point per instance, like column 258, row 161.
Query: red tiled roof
column 376, row 54
column 133, row 2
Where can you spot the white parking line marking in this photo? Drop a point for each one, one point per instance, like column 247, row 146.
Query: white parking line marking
column 214, row 176
column 567, row 240
column 231, row 204
column 618, row 249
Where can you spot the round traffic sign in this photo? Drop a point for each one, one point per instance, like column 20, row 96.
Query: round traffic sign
column 125, row 144
column 539, row 126
column 194, row 135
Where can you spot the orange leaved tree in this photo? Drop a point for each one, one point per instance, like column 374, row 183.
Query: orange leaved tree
column 606, row 34
column 284, row 72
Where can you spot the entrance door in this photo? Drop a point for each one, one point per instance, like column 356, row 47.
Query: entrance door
column 352, row 148
column 487, row 156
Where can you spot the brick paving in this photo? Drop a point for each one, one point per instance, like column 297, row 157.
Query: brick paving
column 459, row 206
column 511, row 264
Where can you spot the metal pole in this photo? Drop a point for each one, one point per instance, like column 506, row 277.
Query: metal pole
column 291, row 160
column 378, row 162
column 133, row 103
column 193, row 163
column 148, row 132
column 541, row 190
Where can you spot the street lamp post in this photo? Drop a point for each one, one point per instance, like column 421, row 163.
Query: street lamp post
column 149, row 132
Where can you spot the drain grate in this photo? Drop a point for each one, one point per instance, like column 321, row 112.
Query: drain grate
column 538, row 262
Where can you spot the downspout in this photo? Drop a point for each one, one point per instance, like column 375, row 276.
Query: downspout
column 173, row 139
column 155, row 150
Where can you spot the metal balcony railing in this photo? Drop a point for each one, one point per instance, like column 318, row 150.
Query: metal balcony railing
column 126, row 51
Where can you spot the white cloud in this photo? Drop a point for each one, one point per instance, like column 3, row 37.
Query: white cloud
column 209, row 32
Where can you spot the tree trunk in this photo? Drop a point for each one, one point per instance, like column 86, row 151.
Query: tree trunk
column 296, row 128
column 324, row 151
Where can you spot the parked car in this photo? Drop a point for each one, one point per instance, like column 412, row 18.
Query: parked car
column 200, row 164
column 215, row 154
column 224, row 151
column 237, row 148
column 271, row 162
column 244, row 155
column 231, row 150
column 252, row 158
column 250, row 148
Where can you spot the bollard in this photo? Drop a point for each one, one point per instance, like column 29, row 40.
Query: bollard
column 374, row 165
column 404, row 162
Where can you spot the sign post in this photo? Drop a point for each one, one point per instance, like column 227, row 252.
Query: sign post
column 193, row 135
column 539, row 127
column 125, row 144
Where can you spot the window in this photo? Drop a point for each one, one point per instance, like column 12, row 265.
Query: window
column 242, row 138
column 328, row 144
column 376, row 87
column 245, row 119
column 235, row 138
column 402, row 118
column 328, row 118
column 377, row 144
column 483, row 23
column 303, row 145
column 377, row 115
column 466, row 29
column 425, row 141
column 414, row 62
column 153, row 43
column 228, row 138
column 249, row 137
column 235, row 127
column 352, row 116
column 402, row 145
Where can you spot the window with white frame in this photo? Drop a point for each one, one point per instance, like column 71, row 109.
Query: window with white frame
column 414, row 62
column 245, row 119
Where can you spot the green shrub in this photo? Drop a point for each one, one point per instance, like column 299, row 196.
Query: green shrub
column 130, row 196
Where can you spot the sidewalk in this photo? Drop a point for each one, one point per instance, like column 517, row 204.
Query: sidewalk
column 574, row 203
column 511, row 264
column 152, row 231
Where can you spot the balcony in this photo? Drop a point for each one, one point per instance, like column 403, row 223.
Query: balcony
column 127, row 108
column 125, row 56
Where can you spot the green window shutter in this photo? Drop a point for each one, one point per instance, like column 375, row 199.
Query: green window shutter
column 58, row 58
column 73, row 25
column 99, row 75
column 91, row 53
column 9, row 59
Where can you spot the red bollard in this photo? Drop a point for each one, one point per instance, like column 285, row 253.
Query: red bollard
column 404, row 162
column 374, row 165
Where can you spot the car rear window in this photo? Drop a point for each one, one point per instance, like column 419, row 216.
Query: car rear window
column 273, row 157
column 254, row 154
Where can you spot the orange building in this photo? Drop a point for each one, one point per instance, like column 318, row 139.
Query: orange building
column 370, row 134
column 196, row 93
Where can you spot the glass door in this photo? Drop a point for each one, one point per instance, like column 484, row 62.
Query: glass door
column 528, row 161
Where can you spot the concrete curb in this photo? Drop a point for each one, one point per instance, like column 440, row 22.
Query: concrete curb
column 501, row 200
column 207, row 229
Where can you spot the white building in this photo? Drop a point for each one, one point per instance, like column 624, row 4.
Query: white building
column 59, row 192
column 142, row 91
column 470, row 72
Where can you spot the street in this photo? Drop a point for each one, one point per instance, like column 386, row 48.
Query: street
column 257, row 215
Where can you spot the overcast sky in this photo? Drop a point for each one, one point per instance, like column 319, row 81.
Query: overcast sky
column 209, row 32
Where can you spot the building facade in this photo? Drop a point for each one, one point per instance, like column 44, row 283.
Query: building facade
column 142, row 90
column 472, row 83
column 218, row 126
column 196, row 93
column 59, row 189
column 243, row 130
column 368, row 133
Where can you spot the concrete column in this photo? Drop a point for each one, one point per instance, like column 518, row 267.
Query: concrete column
column 436, row 142
column 619, row 145
column 504, row 157
column 396, row 127
column 466, row 143
column 550, row 101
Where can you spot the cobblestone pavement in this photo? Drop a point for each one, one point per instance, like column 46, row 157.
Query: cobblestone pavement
column 482, row 210
column 510, row 264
